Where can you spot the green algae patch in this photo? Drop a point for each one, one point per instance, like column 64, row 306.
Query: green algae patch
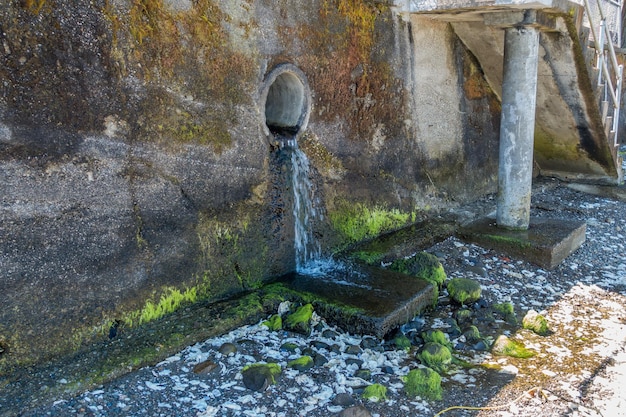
column 507, row 311
column 424, row 383
column 423, row 265
column 436, row 336
column 299, row 321
column 357, row 222
column 402, row 342
column 503, row 346
column 274, row 323
column 301, row 364
column 536, row 322
column 271, row 370
column 375, row 392
column 472, row 334
column 464, row 290
column 435, row 356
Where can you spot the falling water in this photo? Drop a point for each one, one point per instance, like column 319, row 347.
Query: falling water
column 307, row 248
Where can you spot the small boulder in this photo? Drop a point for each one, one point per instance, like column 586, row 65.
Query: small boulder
column 300, row 320
column 423, row 382
column 422, row 265
column 303, row 363
column 356, row 411
column 464, row 290
column 227, row 349
column 536, row 322
column 205, row 367
column 435, row 356
column 504, row 346
column 258, row 377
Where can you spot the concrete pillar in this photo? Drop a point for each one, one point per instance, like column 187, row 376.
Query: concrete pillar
column 517, row 125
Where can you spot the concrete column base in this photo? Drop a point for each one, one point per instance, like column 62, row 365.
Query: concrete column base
column 546, row 242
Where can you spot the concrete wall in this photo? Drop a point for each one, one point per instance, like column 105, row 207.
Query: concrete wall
column 135, row 165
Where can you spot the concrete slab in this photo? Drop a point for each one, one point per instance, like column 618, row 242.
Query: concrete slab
column 546, row 243
column 365, row 299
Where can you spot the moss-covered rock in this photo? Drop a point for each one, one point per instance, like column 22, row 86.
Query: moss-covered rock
column 301, row 364
column 472, row 334
column 422, row 265
column 300, row 320
column 423, row 382
column 504, row 346
column 402, row 342
column 464, row 290
column 259, row 376
column 436, row 336
column 274, row 323
column 536, row 322
column 507, row 311
column 435, row 356
column 375, row 392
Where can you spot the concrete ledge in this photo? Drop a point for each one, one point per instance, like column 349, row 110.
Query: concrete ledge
column 365, row 300
column 546, row 243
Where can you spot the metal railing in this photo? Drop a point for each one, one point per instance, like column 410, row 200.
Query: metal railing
column 610, row 72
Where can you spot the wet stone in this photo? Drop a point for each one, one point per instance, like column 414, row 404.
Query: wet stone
column 369, row 343
column 256, row 380
column 354, row 361
column 330, row 334
column 353, row 350
column 227, row 349
column 320, row 345
column 205, row 367
column 343, row 400
column 356, row 411
column 319, row 360
column 365, row 374
column 288, row 347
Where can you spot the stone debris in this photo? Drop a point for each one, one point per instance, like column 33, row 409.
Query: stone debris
column 577, row 368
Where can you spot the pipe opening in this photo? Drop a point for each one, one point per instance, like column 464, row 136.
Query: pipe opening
column 286, row 101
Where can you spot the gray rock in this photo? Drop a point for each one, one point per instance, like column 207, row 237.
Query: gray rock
column 205, row 367
column 356, row 411
column 227, row 349
column 343, row 400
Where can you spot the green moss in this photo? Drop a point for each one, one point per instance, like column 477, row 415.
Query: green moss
column 271, row 370
column 536, row 322
column 301, row 364
column 435, row 356
column 436, row 336
column 300, row 317
column 463, row 315
column 422, row 265
column 275, row 323
column 464, row 290
column 504, row 346
column 402, row 342
column 507, row 311
column 472, row 334
column 504, row 309
column 375, row 392
column 357, row 222
column 423, row 382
